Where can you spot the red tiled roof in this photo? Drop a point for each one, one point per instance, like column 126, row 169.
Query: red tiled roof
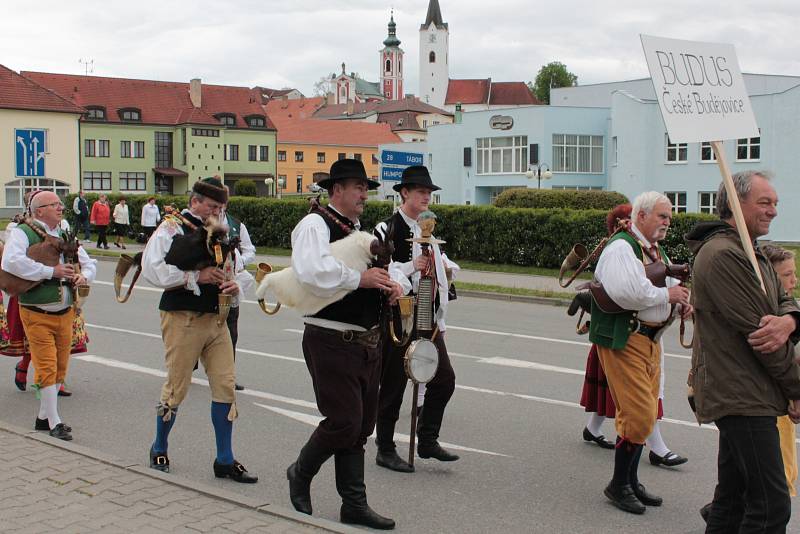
column 381, row 107
column 327, row 132
column 159, row 102
column 408, row 118
column 18, row 92
column 299, row 108
column 468, row 91
column 511, row 93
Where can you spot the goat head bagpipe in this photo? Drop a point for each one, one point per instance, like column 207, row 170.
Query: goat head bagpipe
column 47, row 252
column 358, row 251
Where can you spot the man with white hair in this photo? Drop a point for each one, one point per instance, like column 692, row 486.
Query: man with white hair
column 627, row 342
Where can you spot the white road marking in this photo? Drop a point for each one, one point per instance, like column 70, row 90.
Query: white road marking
column 313, row 420
column 508, row 362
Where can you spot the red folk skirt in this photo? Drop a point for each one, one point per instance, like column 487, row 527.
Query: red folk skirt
column 12, row 335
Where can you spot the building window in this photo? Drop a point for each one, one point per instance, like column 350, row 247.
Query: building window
column 678, row 199
column 424, row 123
column 707, row 154
column 388, row 66
column 231, row 152
column 252, row 152
column 138, row 149
column 676, row 153
column 749, row 148
column 132, row 181
column 205, row 132
column 256, row 122
column 502, row 155
column 227, row 120
column 320, row 157
column 357, row 157
column 163, row 144
column 577, row 153
column 16, row 190
column 298, row 156
column 97, row 181
column 130, row 114
column 281, row 181
column 432, row 57
column 263, row 152
column 707, row 200
column 89, row 148
column 299, row 183
column 95, row 114
column 341, row 156
column 281, row 155
column 124, row 149
column 615, row 150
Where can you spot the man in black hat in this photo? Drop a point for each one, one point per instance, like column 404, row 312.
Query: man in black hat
column 341, row 346
column 189, row 311
column 415, row 188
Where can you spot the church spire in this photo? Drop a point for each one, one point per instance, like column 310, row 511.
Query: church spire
column 392, row 39
column 434, row 16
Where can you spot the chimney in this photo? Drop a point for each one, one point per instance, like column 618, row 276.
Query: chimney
column 331, row 99
column 349, row 106
column 195, row 92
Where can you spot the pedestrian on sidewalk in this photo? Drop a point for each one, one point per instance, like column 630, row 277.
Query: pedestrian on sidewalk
column 150, row 217
column 100, row 218
column 47, row 310
column 122, row 222
column 81, row 210
column 190, row 330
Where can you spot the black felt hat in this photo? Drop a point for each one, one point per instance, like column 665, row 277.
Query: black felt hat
column 416, row 175
column 212, row 188
column 347, row 168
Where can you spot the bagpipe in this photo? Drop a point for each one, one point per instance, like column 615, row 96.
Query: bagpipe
column 579, row 259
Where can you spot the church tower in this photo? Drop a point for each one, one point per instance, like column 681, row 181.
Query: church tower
column 434, row 70
column 391, row 67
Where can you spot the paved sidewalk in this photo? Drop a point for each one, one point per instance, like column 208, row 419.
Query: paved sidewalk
column 48, row 485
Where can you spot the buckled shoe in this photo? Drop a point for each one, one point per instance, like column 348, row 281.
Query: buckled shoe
column 60, row 432
column 235, row 472
column 623, row 498
column 159, row 461
column 668, row 460
column 601, row 440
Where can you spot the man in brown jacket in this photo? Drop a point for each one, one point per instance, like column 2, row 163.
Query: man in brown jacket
column 743, row 371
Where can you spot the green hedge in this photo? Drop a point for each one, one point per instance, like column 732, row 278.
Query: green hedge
column 549, row 198
column 245, row 188
column 519, row 236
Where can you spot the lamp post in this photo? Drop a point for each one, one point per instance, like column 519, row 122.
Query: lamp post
column 280, row 185
column 539, row 174
column 268, row 182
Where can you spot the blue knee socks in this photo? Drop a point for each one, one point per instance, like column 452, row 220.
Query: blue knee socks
column 223, row 429
column 162, row 430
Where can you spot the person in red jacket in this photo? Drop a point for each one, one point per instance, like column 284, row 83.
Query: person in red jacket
column 100, row 217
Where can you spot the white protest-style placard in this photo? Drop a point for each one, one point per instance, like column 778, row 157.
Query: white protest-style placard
column 700, row 90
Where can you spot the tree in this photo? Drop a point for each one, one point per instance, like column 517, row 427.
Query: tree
column 245, row 188
column 554, row 74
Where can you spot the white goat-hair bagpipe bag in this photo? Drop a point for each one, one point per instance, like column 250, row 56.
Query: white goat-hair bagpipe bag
column 353, row 251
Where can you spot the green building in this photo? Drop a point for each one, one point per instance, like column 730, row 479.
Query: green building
column 144, row 137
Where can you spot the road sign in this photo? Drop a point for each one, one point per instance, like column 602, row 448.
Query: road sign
column 391, row 174
column 30, row 147
column 405, row 159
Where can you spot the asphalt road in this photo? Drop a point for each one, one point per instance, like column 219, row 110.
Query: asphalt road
column 515, row 416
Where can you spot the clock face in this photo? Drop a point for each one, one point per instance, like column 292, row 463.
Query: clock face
column 432, row 38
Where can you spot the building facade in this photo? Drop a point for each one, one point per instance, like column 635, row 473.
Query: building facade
column 434, row 57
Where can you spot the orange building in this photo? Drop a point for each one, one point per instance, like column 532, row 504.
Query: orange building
column 307, row 147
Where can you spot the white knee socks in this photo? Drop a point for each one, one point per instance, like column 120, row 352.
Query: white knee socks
column 655, row 442
column 49, row 402
column 595, row 424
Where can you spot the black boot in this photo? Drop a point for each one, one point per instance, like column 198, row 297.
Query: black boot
column 351, row 487
column 429, row 424
column 391, row 460
column 619, row 490
column 300, row 473
column 639, row 490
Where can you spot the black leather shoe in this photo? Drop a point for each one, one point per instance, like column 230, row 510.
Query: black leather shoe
column 436, row 451
column 390, row 460
column 623, row 498
column 601, row 440
column 237, row 387
column 646, row 498
column 365, row 516
column 235, row 471
column 669, row 460
column 159, row 461
column 299, row 491
column 705, row 511
column 60, row 432
column 44, row 424
column 64, row 392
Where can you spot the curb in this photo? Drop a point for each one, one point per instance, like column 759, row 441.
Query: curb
column 251, row 503
column 528, row 299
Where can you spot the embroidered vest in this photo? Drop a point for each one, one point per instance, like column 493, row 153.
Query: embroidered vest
column 49, row 291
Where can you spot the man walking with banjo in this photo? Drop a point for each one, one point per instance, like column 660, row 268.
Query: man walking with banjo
column 415, row 189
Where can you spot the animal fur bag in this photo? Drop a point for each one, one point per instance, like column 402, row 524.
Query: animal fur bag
column 357, row 251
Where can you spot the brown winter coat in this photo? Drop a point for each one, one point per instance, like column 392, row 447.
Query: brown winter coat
column 729, row 377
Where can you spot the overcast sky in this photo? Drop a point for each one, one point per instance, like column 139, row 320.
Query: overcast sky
column 294, row 43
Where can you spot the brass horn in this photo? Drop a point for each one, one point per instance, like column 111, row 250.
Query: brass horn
column 263, row 270
column 580, row 257
column 124, row 265
column 406, row 306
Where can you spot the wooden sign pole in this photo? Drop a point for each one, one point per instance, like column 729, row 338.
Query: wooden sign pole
column 736, row 208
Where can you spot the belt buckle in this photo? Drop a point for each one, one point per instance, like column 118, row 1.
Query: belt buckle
column 348, row 336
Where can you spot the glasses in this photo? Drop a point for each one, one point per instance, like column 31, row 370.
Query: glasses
column 53, row 204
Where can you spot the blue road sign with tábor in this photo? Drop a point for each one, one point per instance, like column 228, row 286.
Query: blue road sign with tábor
column 391, row 174
column 30, row 147
column 406, row 159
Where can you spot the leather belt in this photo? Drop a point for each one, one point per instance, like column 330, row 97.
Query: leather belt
column 649, row 330
column 47, row 312
column 368, row 338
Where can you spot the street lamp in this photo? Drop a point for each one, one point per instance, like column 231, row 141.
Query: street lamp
column 539, row 174
column 280, row 185
column 268, row 182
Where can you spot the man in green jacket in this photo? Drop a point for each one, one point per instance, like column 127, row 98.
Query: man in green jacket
column 743, row 370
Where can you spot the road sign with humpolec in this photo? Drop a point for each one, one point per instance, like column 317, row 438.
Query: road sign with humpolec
column 391, row 173
column 29, row 146
column 699, row 89
column 393, row 163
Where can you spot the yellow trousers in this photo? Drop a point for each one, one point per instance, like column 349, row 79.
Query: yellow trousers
column 788, row 452
column 50, row 340
column 634, row 373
